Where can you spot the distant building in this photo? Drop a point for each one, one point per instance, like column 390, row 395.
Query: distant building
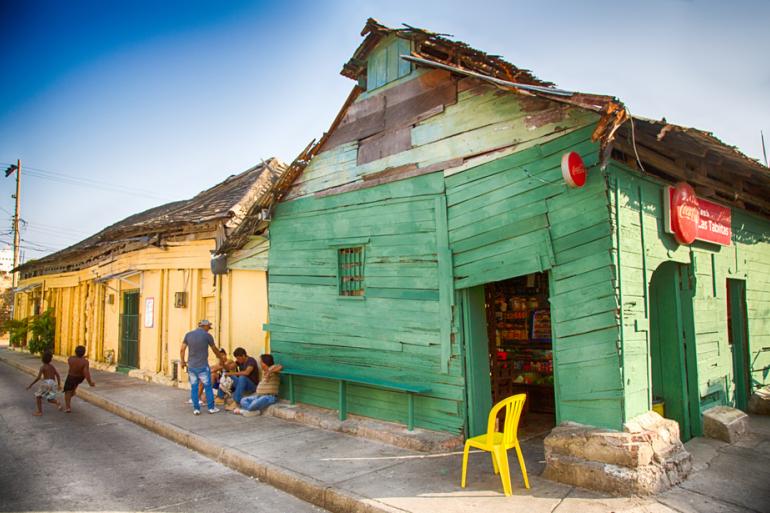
column 130, row 292
column 6, row 259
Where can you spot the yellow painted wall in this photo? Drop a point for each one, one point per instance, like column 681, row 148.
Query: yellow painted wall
column 88, row 312
column 244, row 301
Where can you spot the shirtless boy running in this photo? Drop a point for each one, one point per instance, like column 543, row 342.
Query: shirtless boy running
column 50, row 384
column 77, row 372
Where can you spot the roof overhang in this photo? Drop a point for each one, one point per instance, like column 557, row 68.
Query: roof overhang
column 121, row 276
column 27, row 288
column 716, row 170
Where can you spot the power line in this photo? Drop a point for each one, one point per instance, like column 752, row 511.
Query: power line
column 89, row 182
column 53, row 229
column 38, row 248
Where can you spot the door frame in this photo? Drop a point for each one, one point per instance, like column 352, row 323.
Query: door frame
column 739, row 340
column 677, row 279
column 121, row 314
column 477, row 380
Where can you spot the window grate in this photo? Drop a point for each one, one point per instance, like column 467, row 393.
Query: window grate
column 351, row 271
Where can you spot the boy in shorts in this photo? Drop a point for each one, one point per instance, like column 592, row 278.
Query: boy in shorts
column 77, row 372
column 49, row 386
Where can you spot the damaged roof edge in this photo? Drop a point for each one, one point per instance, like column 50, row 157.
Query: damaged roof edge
column 225, row 202
column 613, row 112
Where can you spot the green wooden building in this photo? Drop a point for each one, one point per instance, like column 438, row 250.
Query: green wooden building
column 427, row 255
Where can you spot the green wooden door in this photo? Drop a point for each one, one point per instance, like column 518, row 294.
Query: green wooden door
column 672, row 347
column 478, row 387
column 739, row 341
column 129, row 331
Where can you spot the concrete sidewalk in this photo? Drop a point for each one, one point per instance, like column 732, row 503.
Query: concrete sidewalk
column 343, row 473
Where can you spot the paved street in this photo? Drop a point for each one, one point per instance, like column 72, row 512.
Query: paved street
column 93, row 460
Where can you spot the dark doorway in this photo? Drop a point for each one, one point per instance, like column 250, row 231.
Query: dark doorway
column 737, row 336
column 129, row 331
column 672, row 347
column 508, row 329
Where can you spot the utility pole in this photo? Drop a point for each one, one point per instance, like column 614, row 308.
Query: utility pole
column 16, row 234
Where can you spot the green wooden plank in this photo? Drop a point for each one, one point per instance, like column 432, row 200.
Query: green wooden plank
column 523, row 158
column 463, row 216
column 502, row 270
column 592, row 261
column 411, row 188
column 601, row 230
column 493, row 237
column 586, row 324
column 306, row 335
column 310, row 280
column 469, row 114
column 599, row 248
column 515, row 180
column 402, row 332
column 446, row 290
column 469, row 261
column 493, row 222
column 420, row 294
column 601, row 275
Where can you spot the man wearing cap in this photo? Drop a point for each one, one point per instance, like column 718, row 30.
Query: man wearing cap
column 199, row 340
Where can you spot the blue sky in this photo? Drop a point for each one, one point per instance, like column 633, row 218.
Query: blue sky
column 147, row 102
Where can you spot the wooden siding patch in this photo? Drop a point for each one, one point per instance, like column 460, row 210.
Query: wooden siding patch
column 383, row 144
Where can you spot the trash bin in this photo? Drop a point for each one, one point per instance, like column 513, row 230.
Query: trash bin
column 659, row 406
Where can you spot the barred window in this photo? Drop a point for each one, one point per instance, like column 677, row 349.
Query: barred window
column 351, row 271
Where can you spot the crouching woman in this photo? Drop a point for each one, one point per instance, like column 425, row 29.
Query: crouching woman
column 267, row 389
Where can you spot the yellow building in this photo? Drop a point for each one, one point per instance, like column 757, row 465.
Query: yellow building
column 130, row 292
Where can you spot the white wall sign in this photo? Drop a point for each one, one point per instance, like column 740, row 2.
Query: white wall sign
column 149, row 310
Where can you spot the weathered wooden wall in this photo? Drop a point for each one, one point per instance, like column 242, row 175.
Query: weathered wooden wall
column 429, row 118
column 394, row 331
column 515, row 216
column 237, row 304
column 493, row 216
column 644, row 246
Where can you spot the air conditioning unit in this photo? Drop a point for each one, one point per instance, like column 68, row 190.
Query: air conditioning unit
column 180, row 299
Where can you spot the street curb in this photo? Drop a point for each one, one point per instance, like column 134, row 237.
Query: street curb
column 301, row 486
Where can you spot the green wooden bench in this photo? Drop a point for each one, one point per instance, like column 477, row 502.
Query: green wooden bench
column 343, row 380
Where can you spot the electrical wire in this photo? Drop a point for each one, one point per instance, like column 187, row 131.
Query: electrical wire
column 24, row 246
column 633, row 141
column 64, row 178
column 56, row 230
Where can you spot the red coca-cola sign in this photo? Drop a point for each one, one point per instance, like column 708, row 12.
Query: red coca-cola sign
column 573, row 169
column 683, row 212
column 690, row 218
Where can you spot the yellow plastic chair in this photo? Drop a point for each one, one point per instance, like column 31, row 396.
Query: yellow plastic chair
column 497, row 443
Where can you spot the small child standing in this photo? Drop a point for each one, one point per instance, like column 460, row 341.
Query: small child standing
column 78, row 371
column 49, row 386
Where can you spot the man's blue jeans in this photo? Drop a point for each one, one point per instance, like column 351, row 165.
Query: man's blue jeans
column 241, row 385
column 202, row 374
column 258, row 402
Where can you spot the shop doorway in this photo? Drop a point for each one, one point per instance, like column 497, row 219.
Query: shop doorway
column 509, row 350
column 673, row 355
column 737, row 336
column 128, row 356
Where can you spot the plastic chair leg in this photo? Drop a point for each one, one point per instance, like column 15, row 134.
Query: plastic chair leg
column 465, row 465
column 495, row 465
column 523, row 467
column 505, row 474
